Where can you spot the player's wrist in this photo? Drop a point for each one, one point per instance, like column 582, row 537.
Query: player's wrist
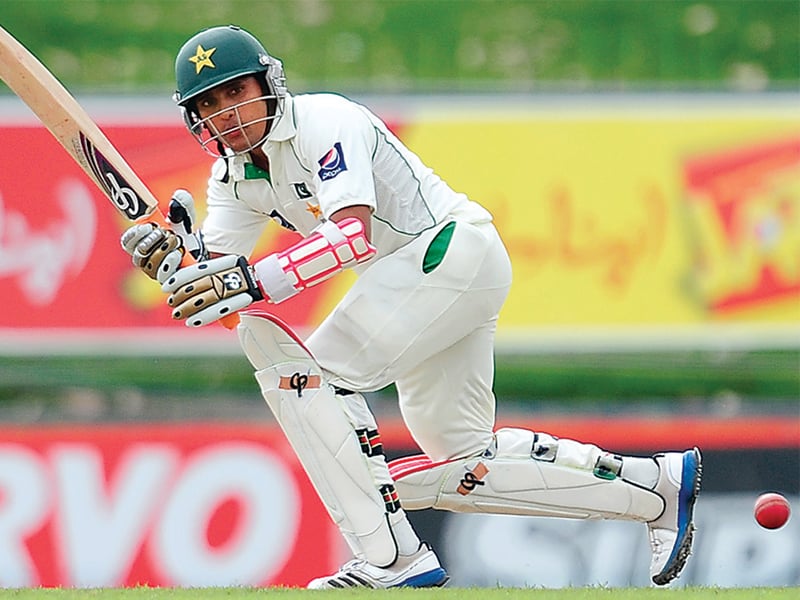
column 254, row 287
column 273, row 280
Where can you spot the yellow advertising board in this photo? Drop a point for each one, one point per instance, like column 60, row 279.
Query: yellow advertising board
column 633, row 216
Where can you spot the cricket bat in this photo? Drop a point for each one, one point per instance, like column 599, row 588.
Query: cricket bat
column 69, row 123
column 80, row 136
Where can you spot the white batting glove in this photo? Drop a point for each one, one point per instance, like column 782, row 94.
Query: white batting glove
column 208, row 291
column 155, row 250
column 158, row 251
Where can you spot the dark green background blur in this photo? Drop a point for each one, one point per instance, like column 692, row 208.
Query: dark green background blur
column 423, row 46
column 430, row 45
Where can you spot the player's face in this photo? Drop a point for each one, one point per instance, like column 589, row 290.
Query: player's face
column 236, row 112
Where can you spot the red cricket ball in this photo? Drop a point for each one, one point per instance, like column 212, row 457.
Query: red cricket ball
column 771, row 510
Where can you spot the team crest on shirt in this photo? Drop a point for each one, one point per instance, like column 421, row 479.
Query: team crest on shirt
column 301, row 190
column 332, row 163
column 314, row 210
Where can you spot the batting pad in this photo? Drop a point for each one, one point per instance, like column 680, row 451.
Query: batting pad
column 509, row 481
column 318, row 430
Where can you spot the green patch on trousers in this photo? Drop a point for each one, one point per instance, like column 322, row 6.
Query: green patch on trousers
column 436, row 251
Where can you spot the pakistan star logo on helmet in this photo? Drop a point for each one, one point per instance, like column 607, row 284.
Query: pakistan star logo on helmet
column 202, row 58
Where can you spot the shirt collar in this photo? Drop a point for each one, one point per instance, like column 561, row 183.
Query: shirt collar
column 285, row 127
column 241, row 167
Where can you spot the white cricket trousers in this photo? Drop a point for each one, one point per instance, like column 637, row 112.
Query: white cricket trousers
column 432, row 334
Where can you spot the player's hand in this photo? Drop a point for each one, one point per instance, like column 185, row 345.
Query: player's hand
column 159, row 251
column 155, row 250
column 208, row 291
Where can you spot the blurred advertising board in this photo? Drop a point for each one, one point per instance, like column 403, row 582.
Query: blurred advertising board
column 731, row 550
column 204, row 504
column 640, row 217
column 647, row 213
column 167, row 505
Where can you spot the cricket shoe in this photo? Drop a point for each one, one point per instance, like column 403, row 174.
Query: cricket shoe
column 671, row 534
column 420, row 570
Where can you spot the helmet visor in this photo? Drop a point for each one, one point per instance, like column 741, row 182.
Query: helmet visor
column 238, row 127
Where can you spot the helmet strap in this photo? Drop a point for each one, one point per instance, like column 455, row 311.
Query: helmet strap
column 220, row 147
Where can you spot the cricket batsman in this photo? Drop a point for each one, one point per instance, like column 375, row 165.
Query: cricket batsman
column 432, row 277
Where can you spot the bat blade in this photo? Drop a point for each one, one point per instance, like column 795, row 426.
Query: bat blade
column 80, row 136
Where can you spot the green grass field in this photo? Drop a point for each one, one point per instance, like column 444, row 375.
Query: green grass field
column 411, row 594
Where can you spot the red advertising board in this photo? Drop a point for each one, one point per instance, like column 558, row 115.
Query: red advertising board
column 61, row 264
column 158, row 505
column 205, row 504
column 701, row 234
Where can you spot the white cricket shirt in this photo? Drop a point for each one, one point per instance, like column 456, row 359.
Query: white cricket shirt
column 327, row 153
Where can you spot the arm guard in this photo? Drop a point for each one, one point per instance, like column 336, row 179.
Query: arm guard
column 330, row 248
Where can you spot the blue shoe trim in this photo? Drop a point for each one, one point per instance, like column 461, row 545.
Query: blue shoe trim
column 433, row 578
column 690, row 487
column 688, row 492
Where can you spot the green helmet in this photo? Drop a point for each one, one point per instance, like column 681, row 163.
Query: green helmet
column 219, row 54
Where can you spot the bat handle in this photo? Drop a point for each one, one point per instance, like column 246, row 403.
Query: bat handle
column 230, row 321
